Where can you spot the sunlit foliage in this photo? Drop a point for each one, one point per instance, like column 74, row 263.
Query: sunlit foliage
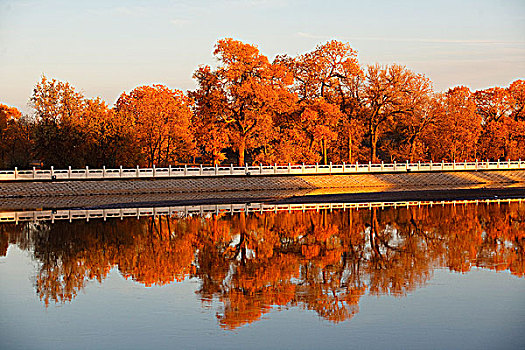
column 319, row 106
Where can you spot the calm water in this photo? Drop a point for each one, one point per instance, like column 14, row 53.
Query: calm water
column 443, row 277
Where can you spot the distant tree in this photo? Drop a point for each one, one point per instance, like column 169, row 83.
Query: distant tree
column 410, row 127
column 387, row 95
column 161, row 122
column 457, row 127
column 517, row 93
column 207, row 124
column 242, row 95
column 15, row 138
column 517, row 114
column 8, row 117
column 495, row 107
column 110, row 136
column 325, row 83
column 58, row 139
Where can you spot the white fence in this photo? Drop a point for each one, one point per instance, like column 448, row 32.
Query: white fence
column 200, row 171
column 215, row 209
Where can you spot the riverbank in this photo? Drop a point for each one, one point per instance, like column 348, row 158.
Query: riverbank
column 349, row 182
column 127, row 193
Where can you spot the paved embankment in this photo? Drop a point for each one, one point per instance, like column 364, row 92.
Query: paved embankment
column 256, row 183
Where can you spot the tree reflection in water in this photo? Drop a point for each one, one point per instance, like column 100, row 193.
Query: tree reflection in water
column 321, row 261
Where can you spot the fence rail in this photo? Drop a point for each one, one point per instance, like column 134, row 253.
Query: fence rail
column 215, row 209
column 290, row 169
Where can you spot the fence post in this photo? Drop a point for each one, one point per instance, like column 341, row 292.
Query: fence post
column 316, row 166
column 34, row 172
column 52, row 171
column 103, row 171
column 369, row 166
column 454, row 165
column 407, row 166
column 330, row 168
column 476, row 164
column 431, row 165
column 382, row 165
column 356, row 165
column 418, row 165
column 508, row 164
column 289, row 168
column 185, row 169
column 275, row 168
column 442, row 164
column 138, row 171
column 87, row 171
column 16, row 172
column 69, row 172
column 154, row 171
column 260, row 169
column 344, row 165
column 302, row 168
column 394, row 165
column 216, row 170
column 498, row 164
column 465, row 164
column 200, row 171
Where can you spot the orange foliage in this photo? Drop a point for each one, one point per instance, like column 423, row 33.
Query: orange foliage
column 457, row 128
column 242, row 95
column 319, row 106
column 15, row 140
column 161, row 122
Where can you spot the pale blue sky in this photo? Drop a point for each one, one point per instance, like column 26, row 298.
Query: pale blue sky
column 106, row 47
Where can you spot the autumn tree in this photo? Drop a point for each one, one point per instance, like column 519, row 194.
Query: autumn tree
column 320, row 119
column 503, row 123
column 411, row 126
column 15, row 138
column 58, row 107
column 517, row 114
column 457, row 128
column 243, row 94
column 349, row 96
column 387, row 96
column 207, row 123
column 517, row 93
column 161, row 121
column 326, row 80
column 109, row 136
column 494, row 106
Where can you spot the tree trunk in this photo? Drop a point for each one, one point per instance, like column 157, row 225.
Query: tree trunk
column 325, row 158
column 412, row 148
column 242, row 148
column 506, row 147
column 373, row 144
column 349, row 145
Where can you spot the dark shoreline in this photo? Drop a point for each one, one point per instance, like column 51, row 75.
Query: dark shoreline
column 411, row 195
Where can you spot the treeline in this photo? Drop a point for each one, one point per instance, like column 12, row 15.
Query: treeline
column 320, row 106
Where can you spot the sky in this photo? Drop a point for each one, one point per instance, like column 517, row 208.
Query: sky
column 104, row 48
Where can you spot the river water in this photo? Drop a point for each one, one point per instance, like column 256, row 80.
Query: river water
column 439, row 277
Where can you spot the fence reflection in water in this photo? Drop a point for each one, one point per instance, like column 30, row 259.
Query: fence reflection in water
column 322, row 257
